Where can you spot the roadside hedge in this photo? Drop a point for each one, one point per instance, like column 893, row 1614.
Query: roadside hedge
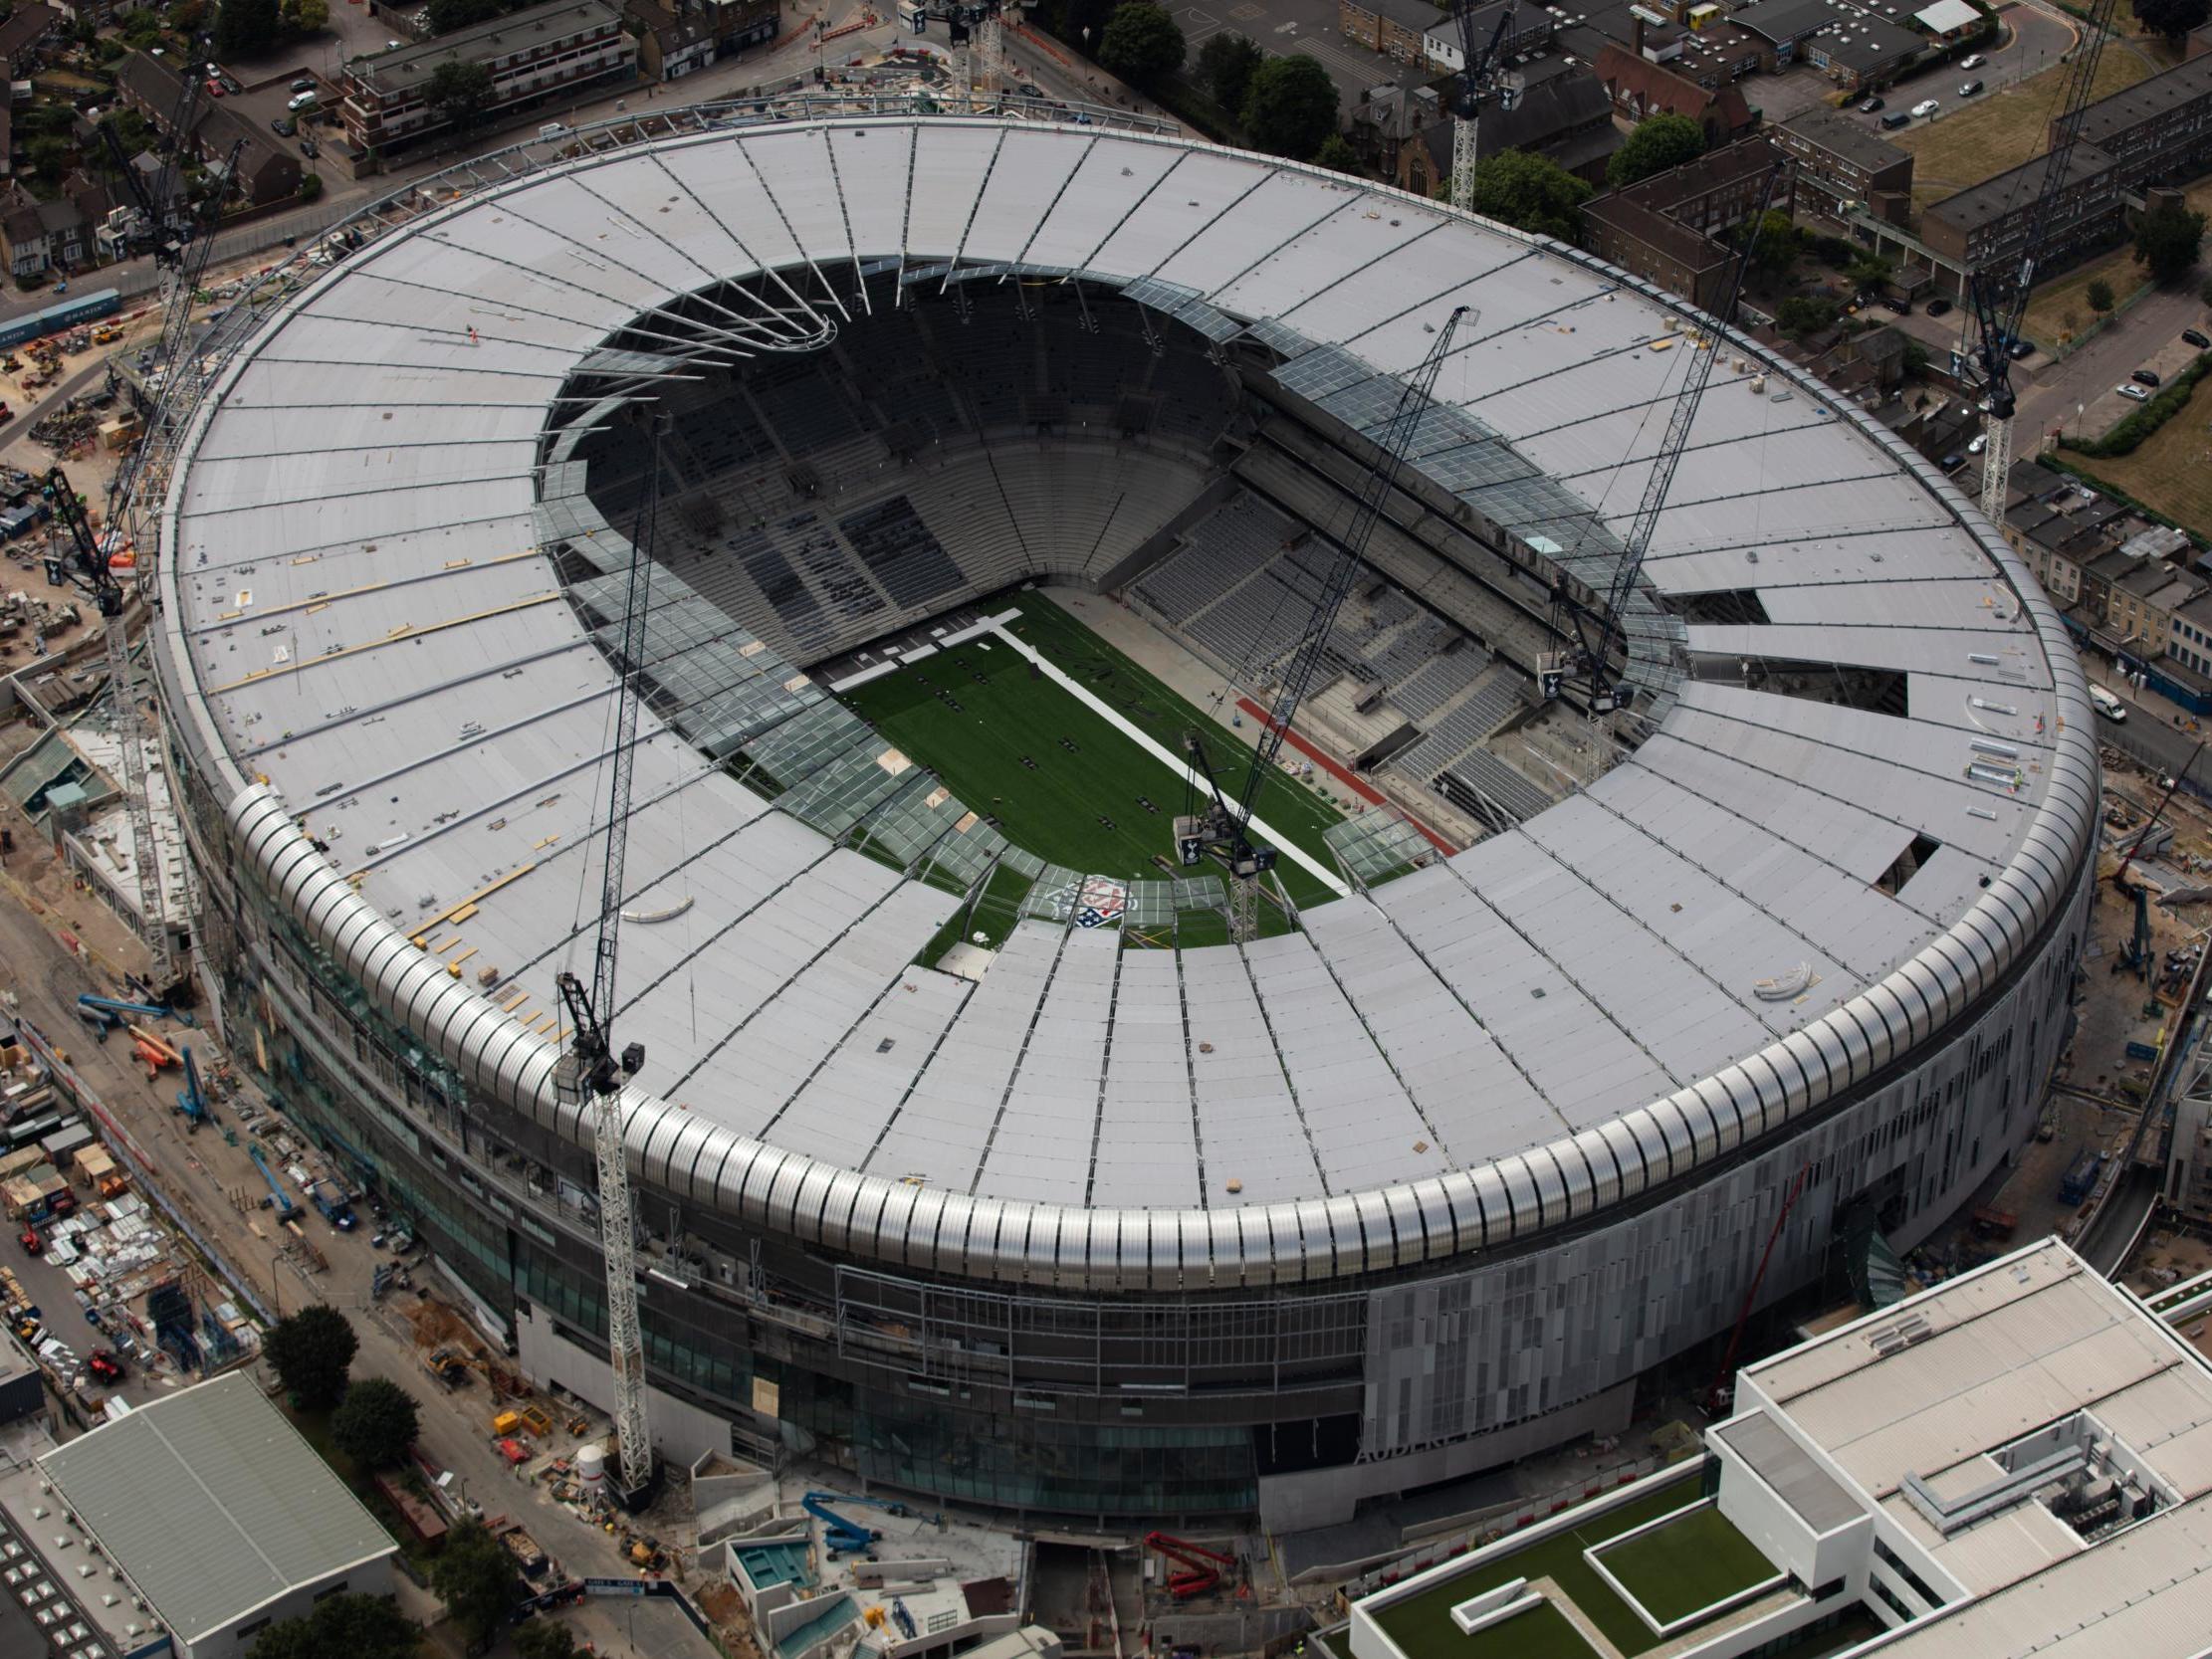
column 2172, row 398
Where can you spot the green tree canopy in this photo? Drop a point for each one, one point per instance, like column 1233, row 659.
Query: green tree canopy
column 461, row 92
column 2100, row 296
column 1290, row 106
column 475, row 1577
column 304, row 17
column 1336, row 153
column 246, row 28
column 1779, row 243
column 1226, row 64
column 1869, row 271
column 2167, row 241
column 1798, row 317
column 1143, row 42
column 1657, row 144
column 1531, row 193
column 357, row 1627
column 543, row 1639
column 2172, row 18
column 375, row 1423
column 312, row 1351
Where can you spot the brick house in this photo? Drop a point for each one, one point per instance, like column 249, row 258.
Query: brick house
column 1640, row 87
column 1672, row 229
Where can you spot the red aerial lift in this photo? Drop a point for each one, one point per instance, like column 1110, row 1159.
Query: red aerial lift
column 1202, row 1567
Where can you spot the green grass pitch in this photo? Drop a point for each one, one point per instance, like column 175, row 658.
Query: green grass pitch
column 1061, row 781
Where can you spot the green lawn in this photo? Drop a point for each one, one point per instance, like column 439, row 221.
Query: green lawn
column 1687, row 1563
column 1062, row 783
column 1543, row 1632
column 1421, row 1624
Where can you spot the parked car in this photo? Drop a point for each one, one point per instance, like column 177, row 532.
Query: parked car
column 2019, row 350
column 1972, row 59
column 305, row 83
column 1926, row 107
column 1890, row 302
column 2144, row 378
column 2134, row 392
column 1894, row 120
column 1967, row 88
column 2195, row 338
column 284, row 126
column 1938, row 306
column 1980, row 443
column 1872, row 106
column 308, row 149
column 1952, row 462
column 214, row 88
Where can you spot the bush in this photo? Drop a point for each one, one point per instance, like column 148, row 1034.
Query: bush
column 2100, row 296
column 311, row 187
column 2130, row 434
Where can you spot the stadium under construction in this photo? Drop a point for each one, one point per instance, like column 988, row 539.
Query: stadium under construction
column 1127, row 1217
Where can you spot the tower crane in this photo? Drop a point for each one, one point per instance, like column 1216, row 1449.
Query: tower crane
column 1589, row 632
column 1221, row 826
column 591, row 1071
column 1478, row 79
column 1997, row 295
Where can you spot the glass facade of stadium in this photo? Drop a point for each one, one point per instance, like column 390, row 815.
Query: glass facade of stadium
column 1119, row 1408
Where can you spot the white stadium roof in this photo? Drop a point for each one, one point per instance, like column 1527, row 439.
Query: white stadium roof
column 1551, row 1021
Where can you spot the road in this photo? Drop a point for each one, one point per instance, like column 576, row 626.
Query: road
column 2078, row 392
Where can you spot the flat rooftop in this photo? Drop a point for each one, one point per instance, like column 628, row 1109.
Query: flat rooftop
column 410, row 67
column 40, row 1555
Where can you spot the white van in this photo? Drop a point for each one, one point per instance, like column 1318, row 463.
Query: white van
column 2107, row 705
column 303, row 100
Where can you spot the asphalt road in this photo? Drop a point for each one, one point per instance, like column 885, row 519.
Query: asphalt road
column 2078, row 392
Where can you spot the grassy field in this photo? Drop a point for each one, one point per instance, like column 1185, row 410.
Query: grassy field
column 2054, row 300
column 1999, row 130
column 1060, row 781
column 2172, row 472
column 1421, row 1624
column 1689, row 1563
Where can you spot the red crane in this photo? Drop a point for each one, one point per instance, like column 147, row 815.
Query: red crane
column 1202, row 1567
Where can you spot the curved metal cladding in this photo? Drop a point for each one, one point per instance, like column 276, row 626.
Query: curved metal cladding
column 1512, row 1201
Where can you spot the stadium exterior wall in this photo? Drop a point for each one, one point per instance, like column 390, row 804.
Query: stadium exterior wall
column 1294, row 1402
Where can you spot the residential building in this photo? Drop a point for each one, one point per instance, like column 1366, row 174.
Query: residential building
column 535, row 56
column 24, row 37
column 1706, row 48
column 61, row 235
column 1396, row 28
column 1531, row 30
column 1854, row 47
column 1840, row 160
column 268, row 171
column 1567, row 119
column 1641, row 88
column 2158, row 130
column 217, row 1513
column 1673, row 228
column 2191, row 640
column 669, row 46
column 1988, row 223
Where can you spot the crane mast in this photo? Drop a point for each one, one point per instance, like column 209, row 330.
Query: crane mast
column 591, row 1071
column 1586, row 663
column 1478, row 79
column 1221, row 827
column 1997, row 296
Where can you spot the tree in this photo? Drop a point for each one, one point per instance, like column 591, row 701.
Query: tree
column 1226, row 64
column 188, row 17
column 1290, row 106
column 2167, row 241
column 311, row 1351
column 48, row 157
column 1779, row 243
column 359, row 1627
column 1336, row 153
column 542, row 1638
column 375, row 1423
column 246, row 28
column 2100, row 296
column 311, row 187
column 1142, row 42
column 1915, row 357
column 2172, row 18
column 1531, row 193
column 474, row 1577
column 1657, row 144
column 1869, row 271
column 461, row 92
column 304, row 17
column 1799, row 317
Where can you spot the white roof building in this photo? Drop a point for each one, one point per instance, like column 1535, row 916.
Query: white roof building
column 220, row 1515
